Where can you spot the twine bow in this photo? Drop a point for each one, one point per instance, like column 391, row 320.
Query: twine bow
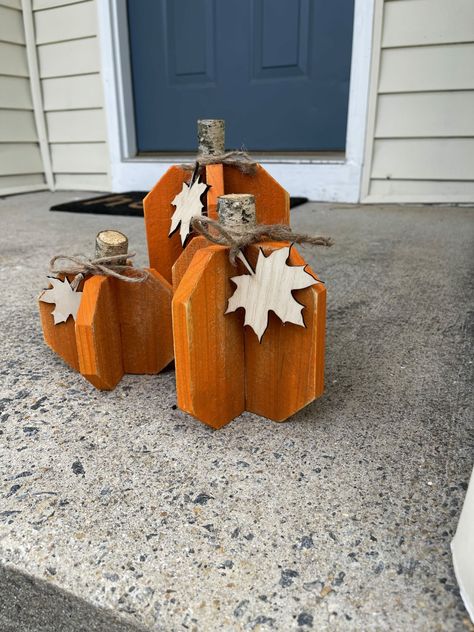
column 239, row 237
column 239, row 159
column 81, row 266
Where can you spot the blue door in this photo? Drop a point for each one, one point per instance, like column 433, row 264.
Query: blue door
column 276, row 70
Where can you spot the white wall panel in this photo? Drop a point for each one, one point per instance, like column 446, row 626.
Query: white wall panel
column 421, row 114
column 79, row 157
column 422, row 22
column 20, row 158
column 424, row 159
column 15, row 92
column 66, row 23
column 449, row 67
column 420, row 142
column 11, row 26
column 72, row 93
column 76, row 126
column 74, row 57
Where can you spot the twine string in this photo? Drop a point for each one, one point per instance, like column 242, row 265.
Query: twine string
column 80, row 266
column 237, row 238
column 239, row 159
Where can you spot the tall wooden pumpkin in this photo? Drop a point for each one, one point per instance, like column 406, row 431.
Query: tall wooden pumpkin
column 115, row 327
column 223, row 367
column 272, row 201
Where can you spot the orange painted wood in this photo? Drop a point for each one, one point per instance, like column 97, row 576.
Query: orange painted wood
column 158, row 210
column 272, row 203
column 285, row 372
column 183, row 261
column 215, row 181
column 61, row 338
column 98, row 334
column 144, row 314
column 271, row 200
column 208, row 345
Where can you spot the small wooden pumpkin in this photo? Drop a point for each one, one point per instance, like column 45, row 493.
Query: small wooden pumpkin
column 272, row 201
column 221, row 367
column 119, row 328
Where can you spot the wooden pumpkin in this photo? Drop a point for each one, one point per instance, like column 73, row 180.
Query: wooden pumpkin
column 119, row 328
column 221, row 367
column 272, row 201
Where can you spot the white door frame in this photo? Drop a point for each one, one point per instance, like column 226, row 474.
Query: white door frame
column 337, row 180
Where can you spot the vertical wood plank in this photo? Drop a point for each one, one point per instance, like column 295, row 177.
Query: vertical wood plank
column 61, row 338
column 208, row 345
column 183, row 261
column 144, row 313
column 285, row 372
column 98, row 334
column 215, row 181
column 271, row 200
column 158, row 210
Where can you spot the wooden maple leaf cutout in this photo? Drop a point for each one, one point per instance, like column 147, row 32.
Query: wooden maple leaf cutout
column 270, row 288
column 188, row 205
column 65, row 298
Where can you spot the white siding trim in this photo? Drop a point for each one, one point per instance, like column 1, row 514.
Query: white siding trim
column 420, row 132
column 372, row 101
column 339, row 181
column 27, row 188
column 32, row 57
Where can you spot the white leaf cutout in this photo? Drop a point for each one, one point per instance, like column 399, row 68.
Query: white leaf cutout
column 66, row 300
column 188, row 205
column 270, row 288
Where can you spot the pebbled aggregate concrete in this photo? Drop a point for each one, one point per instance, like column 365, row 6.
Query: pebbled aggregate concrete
column 120, row 513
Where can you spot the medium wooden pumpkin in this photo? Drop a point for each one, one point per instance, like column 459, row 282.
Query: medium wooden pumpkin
column 120, row 327
column 221, row 367
column 272, row 201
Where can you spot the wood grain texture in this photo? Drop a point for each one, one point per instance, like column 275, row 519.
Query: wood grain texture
column 271, row 199
column 144, row 314
column 215, row 181
column 272, row 202
column 61, row 338
column 98, row 334
column 163, row 250
column 208, row 345
column 183, row 261
column 285, row 372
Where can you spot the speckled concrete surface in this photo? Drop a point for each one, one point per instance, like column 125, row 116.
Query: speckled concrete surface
column 338, row 520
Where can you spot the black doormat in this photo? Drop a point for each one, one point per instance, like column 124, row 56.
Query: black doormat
column 130, row 203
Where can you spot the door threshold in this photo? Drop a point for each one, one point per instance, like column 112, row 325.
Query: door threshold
column 308, row 157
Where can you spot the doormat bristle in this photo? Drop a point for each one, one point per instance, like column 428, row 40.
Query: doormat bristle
column 129, row 203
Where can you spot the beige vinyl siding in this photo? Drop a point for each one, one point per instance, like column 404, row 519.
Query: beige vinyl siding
column 69, row 61
column 420, row 143
column 21, row 167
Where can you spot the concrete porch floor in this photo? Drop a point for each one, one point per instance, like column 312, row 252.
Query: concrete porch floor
column 121, row 513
